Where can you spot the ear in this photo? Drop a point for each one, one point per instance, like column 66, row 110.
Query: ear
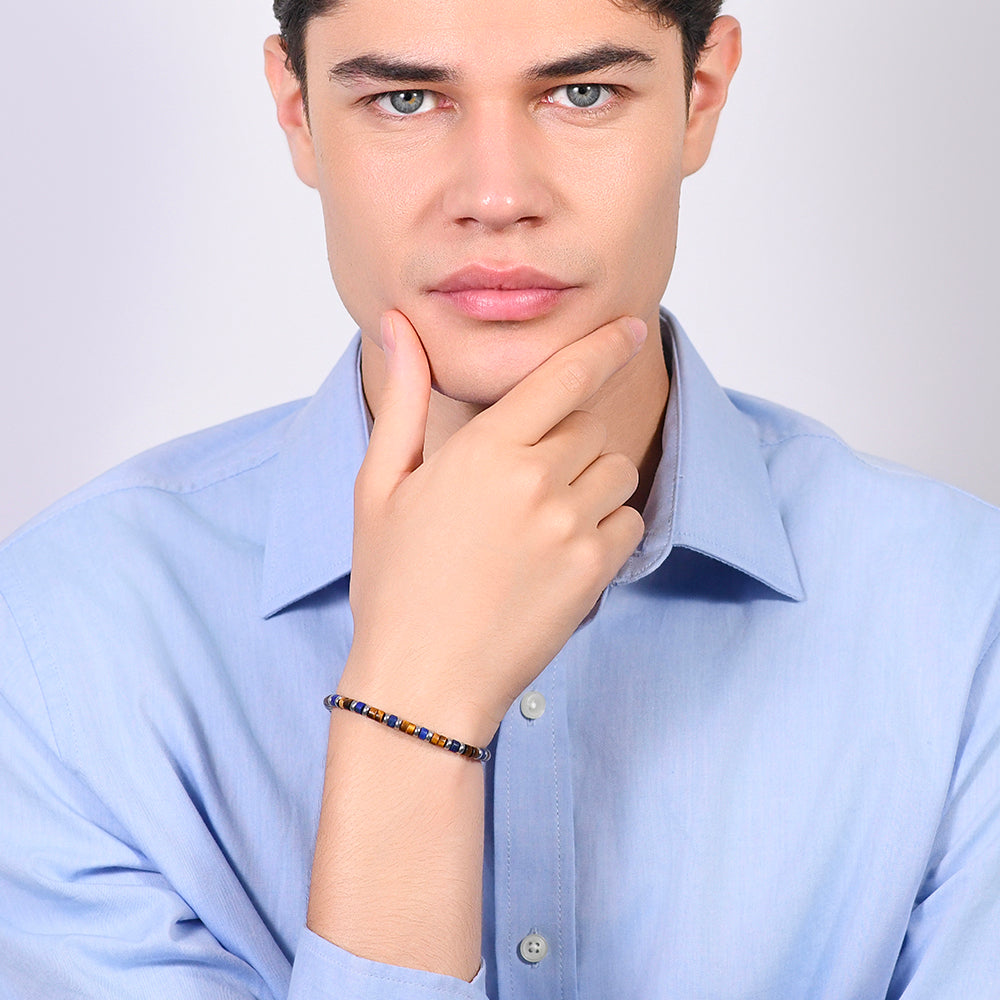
column 287, row 92
column 709, row 90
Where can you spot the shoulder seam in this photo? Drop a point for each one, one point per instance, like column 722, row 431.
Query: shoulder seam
column 900, row 471
column 833, row 438
column 177, row 489
column 54, row 736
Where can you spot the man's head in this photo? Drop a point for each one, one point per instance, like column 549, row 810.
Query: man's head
column 693, row 18
column 538, row 138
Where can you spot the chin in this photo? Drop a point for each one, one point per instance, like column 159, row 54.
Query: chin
column 485, row 369
column 479, row 388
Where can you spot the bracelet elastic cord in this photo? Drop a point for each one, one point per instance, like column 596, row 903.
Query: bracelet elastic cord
column 480, row 754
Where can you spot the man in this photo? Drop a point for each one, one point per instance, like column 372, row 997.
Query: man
column 738, row 684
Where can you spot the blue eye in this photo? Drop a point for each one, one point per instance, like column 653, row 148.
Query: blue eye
column 583, row 95
column 402, row 103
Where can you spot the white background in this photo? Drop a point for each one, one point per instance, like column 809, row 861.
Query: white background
column 163, row 270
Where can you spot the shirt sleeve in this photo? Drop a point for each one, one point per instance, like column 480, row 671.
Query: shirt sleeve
column 952, row 946
column 83, row 913
column 319, row 963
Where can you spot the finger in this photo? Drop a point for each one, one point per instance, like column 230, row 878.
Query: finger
column 576, row 441
column 397, row 440
column 604, row 486
column 565, row 381
column 622, row 531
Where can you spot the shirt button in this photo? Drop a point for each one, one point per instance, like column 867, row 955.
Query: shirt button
column 533, row 948
column 533, row 705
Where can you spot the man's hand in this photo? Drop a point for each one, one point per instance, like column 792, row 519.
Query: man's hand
column 472, row 569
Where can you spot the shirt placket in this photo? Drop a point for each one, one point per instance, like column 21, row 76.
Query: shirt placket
column 534, row 860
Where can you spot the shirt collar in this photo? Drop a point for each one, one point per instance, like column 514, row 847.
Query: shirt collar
column 311, row 527
column 711, row 493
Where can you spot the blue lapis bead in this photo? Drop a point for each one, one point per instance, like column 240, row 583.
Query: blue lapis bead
column 359, row 707
column 423, row 734
column 392, row 721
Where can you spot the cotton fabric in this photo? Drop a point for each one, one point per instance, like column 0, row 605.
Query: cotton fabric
column 769, row 764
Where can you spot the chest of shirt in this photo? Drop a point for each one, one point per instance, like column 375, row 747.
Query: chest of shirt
column 713, row 794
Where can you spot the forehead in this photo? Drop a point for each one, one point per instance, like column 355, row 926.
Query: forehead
column 484, row 33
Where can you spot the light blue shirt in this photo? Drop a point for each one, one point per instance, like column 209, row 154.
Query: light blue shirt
column 768, row 767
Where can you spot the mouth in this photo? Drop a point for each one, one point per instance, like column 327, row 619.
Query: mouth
column 501, row 294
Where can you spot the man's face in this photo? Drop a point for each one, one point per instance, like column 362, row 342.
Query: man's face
column 456, row 143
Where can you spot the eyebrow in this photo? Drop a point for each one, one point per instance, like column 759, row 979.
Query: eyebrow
column 590, row 61
column 377, row 67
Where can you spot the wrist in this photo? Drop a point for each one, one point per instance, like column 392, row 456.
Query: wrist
column 398, row 723
column 416, row 695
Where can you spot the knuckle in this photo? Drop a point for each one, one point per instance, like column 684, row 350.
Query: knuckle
column 576, row 378
column 563, row 524
column 634, row 521
column 589, row 558
column 633, row 528
column 591, row 427
column 623, row 468
column 624, row 342
column 630, row 477
column 532, row 479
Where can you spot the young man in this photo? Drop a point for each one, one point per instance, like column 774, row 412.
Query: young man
column 739, row 684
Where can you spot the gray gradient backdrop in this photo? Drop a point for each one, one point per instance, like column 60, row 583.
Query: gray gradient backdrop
column 163, row 269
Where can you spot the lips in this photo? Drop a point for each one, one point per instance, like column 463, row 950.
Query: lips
column 509, row 279
column 501, row 294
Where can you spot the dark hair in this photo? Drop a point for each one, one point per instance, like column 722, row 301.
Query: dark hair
column 693, row 18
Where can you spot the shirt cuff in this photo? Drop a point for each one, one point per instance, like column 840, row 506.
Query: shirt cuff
column 322, row 971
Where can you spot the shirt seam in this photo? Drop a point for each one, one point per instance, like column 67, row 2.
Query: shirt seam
column 402, row 981
column 959, row 750
column 893, row 470
column 508, row 951
column 53, row 732
column 179, row 490
column 832, row 438
column 560, row 920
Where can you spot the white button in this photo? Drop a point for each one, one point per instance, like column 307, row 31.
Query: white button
column 533, row 705
column 533, row 948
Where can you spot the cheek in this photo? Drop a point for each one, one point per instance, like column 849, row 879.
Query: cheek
column 364, row 223
column 638, row 222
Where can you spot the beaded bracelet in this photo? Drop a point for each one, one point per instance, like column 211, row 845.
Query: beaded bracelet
column 480, row 754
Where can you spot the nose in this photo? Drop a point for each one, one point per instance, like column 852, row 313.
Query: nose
column 498, row 178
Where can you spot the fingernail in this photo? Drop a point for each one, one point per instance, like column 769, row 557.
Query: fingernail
column 639, row 330
column 388, row 335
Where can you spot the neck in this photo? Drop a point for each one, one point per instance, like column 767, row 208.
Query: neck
column 631, row 405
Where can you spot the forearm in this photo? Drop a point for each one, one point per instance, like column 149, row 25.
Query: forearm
column 397, row 874
column 471, row 570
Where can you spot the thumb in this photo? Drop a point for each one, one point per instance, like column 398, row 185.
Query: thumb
column 397, row 440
